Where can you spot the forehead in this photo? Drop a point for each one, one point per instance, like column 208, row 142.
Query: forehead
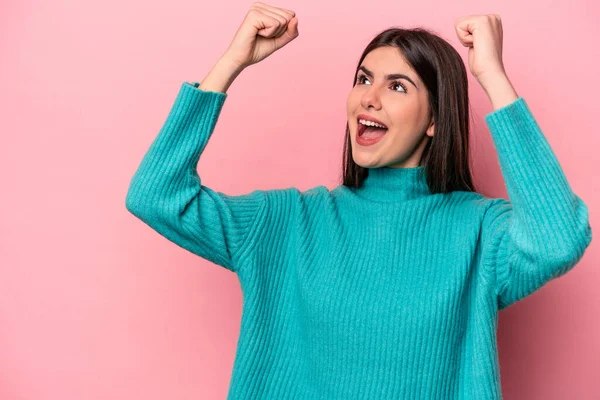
column 388, row 60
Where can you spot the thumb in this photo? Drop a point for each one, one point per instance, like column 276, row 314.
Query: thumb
column 290, row 33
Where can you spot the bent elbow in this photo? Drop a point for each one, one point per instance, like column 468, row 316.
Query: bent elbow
column 565, row 260
column 137, row 205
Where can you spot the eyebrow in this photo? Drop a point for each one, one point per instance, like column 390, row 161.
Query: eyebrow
column 390, row 76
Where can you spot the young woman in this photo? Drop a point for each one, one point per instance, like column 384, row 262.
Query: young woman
column 389, row 285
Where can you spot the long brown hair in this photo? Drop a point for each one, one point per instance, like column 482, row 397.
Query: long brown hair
column 441, row 68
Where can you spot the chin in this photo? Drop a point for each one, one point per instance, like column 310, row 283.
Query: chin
column 362, row 160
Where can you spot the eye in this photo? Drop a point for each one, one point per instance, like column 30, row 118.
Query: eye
column 360, row 77
column 397, row 83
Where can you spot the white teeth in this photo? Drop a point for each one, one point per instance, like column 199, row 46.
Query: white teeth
column 371, row 123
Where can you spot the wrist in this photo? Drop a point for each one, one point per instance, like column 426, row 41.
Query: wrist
column 228, row 62
column 221, row 76
column 499, row 89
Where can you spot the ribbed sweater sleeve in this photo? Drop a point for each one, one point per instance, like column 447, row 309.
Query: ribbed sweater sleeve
column 167, row 193
column 541, row 232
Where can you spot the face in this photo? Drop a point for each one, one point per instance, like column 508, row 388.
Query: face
column 398, row 103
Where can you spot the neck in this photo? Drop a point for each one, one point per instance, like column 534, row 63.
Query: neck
column 394, row 184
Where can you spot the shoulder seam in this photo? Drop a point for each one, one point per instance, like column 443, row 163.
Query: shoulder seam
column 253, row 230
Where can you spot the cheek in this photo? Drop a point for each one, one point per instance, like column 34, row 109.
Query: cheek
column 402, row 140
column 353, row 101
column 405, row 118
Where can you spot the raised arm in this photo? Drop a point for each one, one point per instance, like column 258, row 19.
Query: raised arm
column 166, row 191
column 168, row 195
column 543, row 230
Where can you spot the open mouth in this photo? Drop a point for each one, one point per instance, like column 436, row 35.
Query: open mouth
column 370, row 131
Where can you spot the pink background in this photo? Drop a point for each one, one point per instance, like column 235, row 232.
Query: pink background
column 96, row 305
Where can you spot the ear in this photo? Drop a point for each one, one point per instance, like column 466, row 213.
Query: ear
column 431, row 130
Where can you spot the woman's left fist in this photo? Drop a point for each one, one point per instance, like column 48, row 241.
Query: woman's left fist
column 482, row 34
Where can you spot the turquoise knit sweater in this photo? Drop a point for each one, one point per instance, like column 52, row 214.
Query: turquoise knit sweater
column 382, row 292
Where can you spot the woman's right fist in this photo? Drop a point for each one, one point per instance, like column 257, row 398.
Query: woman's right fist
column 264, row 30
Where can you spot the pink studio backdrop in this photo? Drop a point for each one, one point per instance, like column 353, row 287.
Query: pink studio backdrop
column 96, row 305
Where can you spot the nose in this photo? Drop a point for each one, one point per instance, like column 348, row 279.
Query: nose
column 371, row 98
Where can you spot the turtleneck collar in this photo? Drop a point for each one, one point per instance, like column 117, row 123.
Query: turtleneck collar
column 394, row 184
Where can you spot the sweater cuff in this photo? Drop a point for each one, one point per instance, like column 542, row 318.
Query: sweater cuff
column 196, row 86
